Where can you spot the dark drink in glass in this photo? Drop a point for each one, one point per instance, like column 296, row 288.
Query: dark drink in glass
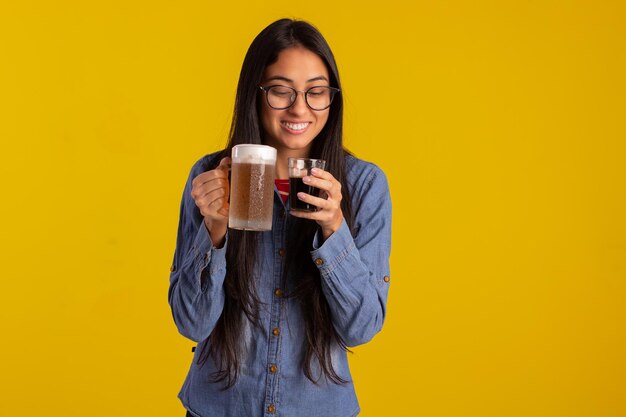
column 298, row 169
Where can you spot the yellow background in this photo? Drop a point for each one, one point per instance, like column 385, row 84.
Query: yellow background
column 500, row 126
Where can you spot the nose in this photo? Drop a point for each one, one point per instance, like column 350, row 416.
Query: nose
column 299, row 106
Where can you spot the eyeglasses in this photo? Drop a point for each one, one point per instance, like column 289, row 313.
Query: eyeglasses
column 280, row 97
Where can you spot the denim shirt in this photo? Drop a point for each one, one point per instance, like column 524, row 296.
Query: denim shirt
column 354, row 273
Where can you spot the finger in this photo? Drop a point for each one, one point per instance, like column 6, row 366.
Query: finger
column 210, row 198
column 318, row 202
column 214, row 184
column 320, row 173
column 218, row 193
column 214, row 208
column 208, row 176
column 318, row 183
column 217, row 204
column 311, row 215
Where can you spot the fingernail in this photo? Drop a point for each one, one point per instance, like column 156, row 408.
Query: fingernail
column 301, row 196
column 315, row 171
column 306, row 180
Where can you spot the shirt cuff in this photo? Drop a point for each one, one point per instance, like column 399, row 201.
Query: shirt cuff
column 333, row 250
column 206, row 254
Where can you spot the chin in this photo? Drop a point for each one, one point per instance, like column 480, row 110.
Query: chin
column 296, row 144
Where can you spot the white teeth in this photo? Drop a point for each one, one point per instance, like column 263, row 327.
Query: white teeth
column 295, row 126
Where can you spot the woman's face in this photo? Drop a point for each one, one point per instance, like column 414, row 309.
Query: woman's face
column 293, row 129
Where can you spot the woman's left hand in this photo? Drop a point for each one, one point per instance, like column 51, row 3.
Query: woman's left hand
column 329, row 215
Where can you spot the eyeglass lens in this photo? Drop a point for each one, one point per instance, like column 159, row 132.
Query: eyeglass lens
column 281, row 97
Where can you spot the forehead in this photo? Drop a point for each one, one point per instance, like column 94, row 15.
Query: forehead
column 297, row 63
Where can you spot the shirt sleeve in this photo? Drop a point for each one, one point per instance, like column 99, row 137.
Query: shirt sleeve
column 355, row 270
column 196, row 291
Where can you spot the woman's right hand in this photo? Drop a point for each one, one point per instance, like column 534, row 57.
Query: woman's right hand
column 209, row 191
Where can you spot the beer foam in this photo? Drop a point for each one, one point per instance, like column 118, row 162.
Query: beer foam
column 253, row 154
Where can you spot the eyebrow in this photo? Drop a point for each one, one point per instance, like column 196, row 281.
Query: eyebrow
column 281, row 78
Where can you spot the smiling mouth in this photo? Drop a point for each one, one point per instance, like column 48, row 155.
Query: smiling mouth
column 296, row 127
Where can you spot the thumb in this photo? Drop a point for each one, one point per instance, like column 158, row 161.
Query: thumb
column 225, row 164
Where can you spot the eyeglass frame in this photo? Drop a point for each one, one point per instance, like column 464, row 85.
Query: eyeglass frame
column 266, row 89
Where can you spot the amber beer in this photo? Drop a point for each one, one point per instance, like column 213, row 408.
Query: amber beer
column 252, row 187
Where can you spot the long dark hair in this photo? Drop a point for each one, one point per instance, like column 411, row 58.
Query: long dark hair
column 241, row 298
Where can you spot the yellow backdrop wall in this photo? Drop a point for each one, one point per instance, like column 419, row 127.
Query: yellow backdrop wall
column 500, row 126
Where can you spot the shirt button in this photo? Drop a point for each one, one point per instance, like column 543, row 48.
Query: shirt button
column 278, row 292
column 281, row 252
column 276, row 331
column 271, row 408
column 172, row 268
column 273, row 368
column 319, row 261
column 386, row 279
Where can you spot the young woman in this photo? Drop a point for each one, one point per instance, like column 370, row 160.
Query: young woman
column 274, row 312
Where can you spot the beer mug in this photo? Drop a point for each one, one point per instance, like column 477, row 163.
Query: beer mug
column 252, row 187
